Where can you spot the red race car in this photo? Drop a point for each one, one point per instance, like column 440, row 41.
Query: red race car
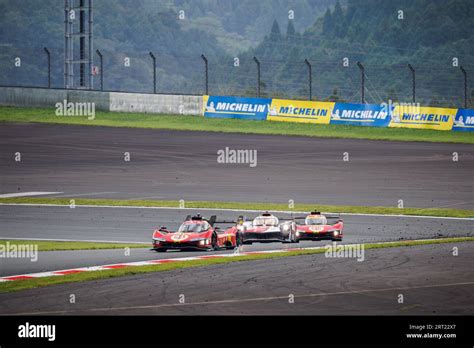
column 197, row 233
column 317, row 227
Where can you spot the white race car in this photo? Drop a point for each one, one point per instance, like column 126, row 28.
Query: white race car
column 267, row 228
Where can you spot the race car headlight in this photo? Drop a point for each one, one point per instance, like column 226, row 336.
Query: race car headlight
column 204, row 241
column 159, row 240
column 297, row 234
column 285, row 228
column 335, row 233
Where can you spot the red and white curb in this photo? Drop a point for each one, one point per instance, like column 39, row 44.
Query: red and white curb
column 178, row 259
column 140, row 263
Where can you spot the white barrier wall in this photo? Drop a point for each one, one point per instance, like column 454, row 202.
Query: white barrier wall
column 156, row 103
column 107, row 101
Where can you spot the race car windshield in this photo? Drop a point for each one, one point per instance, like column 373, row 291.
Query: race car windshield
column 316, row 221
column 265, row 222
column 195, row 228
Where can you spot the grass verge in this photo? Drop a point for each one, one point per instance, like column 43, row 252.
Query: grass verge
column 193, row 123
column 442, row 212
column 67, row 245
column 113, row 273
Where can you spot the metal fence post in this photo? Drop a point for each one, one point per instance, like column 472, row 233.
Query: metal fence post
column 101, row 59
column 154, row 71
column 413, row 82
column 206, row 72
column 464, row 72
column 310, row 78
column 49, row 65
column 362, row 71
column 258, row 76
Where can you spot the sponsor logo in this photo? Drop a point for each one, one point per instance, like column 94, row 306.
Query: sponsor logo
column 236, row 107
column 359, row 115
column 178, row 237
column 423, row 117
column 464, row 120
column 300, row 111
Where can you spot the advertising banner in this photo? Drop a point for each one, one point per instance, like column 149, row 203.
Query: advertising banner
column 464, row 120
column 236, row 107
column 422, row 117
column 300, row 111
column 370, row 115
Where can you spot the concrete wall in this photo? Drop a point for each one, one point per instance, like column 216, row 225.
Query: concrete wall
column 156, row 103
column 107, row 101
column 17, row 96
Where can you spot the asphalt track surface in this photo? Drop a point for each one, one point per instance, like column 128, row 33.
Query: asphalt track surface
column 85, row 162
column 137, row 225
column 431, row 280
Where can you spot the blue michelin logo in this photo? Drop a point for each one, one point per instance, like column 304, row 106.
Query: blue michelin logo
column 361, row 115
column 237, row 107
column 464, row 120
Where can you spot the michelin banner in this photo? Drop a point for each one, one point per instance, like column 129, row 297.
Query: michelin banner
column 236, row 107
column 422, row 117
column 300, row 111
column 368, row 115
column 317, row 112
column 464, row 120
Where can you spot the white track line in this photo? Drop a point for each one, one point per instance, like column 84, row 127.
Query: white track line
column 26, row 194
column 233, row 210
column 160, row 261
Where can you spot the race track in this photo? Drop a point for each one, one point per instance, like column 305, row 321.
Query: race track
column 137, row 225
column 431, row 280
column 84, row 162
column 88, row 162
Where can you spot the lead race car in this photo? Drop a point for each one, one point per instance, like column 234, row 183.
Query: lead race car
column 197, row 233
column 317, row 226
column 266, row 228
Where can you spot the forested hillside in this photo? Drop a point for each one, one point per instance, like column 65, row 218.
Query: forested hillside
column 384, row 35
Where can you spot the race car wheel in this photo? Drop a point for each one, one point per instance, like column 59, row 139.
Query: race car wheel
column 238, row 239
column 214, row 242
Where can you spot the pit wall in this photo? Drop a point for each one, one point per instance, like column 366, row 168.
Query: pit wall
column 317, row 112
column 107, row 101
